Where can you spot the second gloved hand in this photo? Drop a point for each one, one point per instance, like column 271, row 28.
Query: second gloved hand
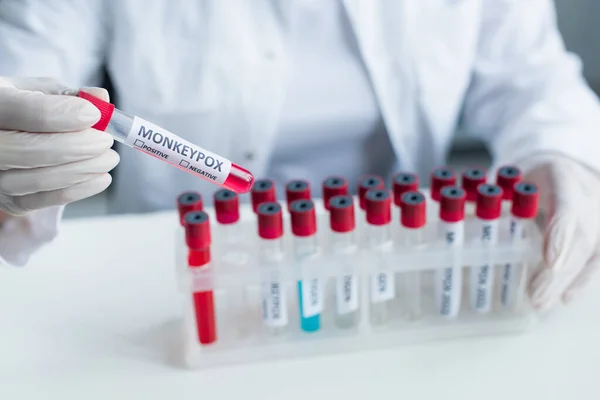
column 49, row 154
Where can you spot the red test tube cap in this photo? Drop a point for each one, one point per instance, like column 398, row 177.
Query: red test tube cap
column 471, row 179
column 270, row 220
column 106, row 109
column 489, row 201
column 341, row 214
column 227, row 206
column 366, row 183
column 441, row 177
column 506, row 178
column 186, row 202
column 297, row 190
column 334, row 186
column 525, row 200
column 263, row 191
column 413, row 209
column 452, row 204
column 197, row 230
column 378, row 205
column 404, row 182
column 304, row 218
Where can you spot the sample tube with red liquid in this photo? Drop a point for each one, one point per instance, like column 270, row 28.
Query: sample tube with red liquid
column 263, row 191
column 151, row 139
column 186, row 202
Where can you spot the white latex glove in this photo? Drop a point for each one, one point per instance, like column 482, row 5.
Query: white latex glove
column 49, row 154
column 570, row 220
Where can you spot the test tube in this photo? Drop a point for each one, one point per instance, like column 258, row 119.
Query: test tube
column 413, row 218
column 297, row 190
column 186, row 202
column 471, row 179
column 227, row 211
column 366, row 183
column 448, row 281
column 310, row 292
column 272, row 255
column 378, row 205
column 506, row 177
column 525, row 200
column 198, row 240
column 403, row 182
column 334, row 186
column 441, row 177
column 263, row 191
column 487, row 210
column 153, row 140
column 343, row 244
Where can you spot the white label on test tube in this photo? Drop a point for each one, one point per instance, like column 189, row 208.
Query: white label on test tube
column 383, row 287
column 274, row 308
column 517, row 233
column 346, row 294
column 482, row 277
column 312, row 298
column 160, row 143
column 448, row 280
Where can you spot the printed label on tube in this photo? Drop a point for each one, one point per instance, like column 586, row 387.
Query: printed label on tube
column 312, row 298
column 347, row 294
column 448, row 280
column 274, row 309
column 482, row 277
column 160, row 143
column 509, row 273
column 383, row 287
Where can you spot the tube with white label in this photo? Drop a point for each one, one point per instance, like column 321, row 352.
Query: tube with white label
column 166, row 146
column 488, row 208
column 271, row 256
column 344, row 247
column 448, row 280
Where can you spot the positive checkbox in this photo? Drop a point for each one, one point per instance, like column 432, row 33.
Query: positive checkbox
column 184, row 163
column 138, row 143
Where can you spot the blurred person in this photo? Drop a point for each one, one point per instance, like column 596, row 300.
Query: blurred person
column 295, row 89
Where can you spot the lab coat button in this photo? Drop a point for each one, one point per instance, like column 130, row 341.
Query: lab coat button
column 249, row 156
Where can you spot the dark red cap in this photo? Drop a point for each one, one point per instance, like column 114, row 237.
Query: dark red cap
column 227, row 206
column 341, row 214
column 452, row 204
column 197, row 230
column 198, row 257
column 489, row 201
column 506, row 178
column 263, row 191
column 378, row 205
column 334, row 186
column 304, row 219
column 270, row 220
column 413, row 209
column 366, row 183
column 297, row 190
column 471, row 179
column 525, row 200
column 188, row 201
column 404, row 182
column 441, row 177
column 106, row 109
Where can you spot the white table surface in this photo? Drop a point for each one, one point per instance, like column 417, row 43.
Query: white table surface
column 96, row 315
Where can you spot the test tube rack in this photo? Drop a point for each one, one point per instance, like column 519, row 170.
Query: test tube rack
column 237, row 281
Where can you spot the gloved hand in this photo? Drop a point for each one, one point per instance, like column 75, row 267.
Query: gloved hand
column 49, row 154
column 570, row 220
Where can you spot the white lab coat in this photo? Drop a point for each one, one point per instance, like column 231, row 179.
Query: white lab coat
column 214, row 72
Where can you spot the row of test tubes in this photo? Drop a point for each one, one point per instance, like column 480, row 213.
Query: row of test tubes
column 373, row 218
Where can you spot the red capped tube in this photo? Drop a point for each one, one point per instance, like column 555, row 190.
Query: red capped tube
column 378, row 205
column 334, row 186
column 161, row 144
column 188, row 201
column 263, row 191
column 471, row 179
column 452, row 204
column 525, row 200
column 270, row 220
column 341, row 214
column 227, row 206
column 441, row 177
column 489, row 202
column 413, row 210
column 506, row 178
column 404, row 182
column 197, row 230
column 366, row 183
column 297, row 190
column 304, row 218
